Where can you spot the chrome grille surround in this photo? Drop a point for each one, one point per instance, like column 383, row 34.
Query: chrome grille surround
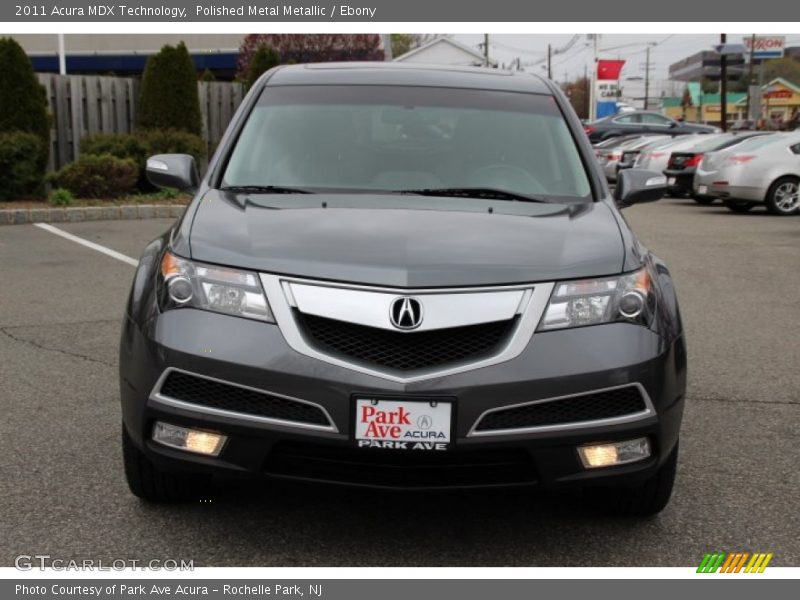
column 366, row 305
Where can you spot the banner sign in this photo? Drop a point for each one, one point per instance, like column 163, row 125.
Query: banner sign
column 607, row 90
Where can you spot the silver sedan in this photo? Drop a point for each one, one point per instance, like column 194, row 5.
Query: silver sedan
column 761, row 170
column 655, row 157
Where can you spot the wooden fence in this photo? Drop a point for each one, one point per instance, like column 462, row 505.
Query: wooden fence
column 82, row 105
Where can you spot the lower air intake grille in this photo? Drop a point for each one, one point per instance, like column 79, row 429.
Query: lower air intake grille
column 586, row 407
column 401, row 469
column 405, row 351
column 215, row 394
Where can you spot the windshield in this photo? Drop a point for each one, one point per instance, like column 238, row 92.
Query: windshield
column 379, row 138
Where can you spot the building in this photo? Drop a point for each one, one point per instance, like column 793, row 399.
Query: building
column 126, row 54
column 779, row 99
column 445, row 50
column 706, row 65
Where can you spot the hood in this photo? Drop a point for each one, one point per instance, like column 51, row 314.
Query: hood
column 406, row 241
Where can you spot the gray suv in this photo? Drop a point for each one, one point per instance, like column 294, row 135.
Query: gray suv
column 405, row 278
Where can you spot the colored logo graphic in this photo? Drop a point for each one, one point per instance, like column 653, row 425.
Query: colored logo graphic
column 737, row 562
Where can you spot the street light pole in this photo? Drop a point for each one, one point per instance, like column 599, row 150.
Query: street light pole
column 62, row 59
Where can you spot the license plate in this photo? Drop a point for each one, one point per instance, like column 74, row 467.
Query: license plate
column 702, row 189
column 401, row 424
column 670, row 181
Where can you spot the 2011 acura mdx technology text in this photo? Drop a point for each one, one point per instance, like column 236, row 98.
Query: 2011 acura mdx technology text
column 408, row 278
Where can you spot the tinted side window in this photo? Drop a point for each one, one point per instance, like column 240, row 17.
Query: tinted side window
column 796, row 148
column 627, row 119
column 655, row 120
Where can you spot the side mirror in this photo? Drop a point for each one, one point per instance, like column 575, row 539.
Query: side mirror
column 673, row 124
column 173, row 171
column 636, row 186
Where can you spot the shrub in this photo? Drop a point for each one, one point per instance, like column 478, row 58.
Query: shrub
column 208, row 76
column 265, row 58
column 142, row 144
column 120, row 145
column 97, row 176
column 61, row 197
column 173, row 141
column 21, row 174
column 169, row 92
column 23, row 101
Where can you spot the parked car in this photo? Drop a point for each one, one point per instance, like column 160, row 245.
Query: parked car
column 613, row 142
column 641, row 122
column 655, row 157
column 609, row 155
column 409, row 277
column 631, row 151
column 682, row 164
column 761, row 170
column 631, row 155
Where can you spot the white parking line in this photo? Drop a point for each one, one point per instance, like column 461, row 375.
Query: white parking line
column 78, row 240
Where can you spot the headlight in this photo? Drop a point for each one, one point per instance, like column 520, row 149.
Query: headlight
column 627, row 298
column 219, row 289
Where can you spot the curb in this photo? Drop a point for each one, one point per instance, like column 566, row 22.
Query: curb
column 23, row 216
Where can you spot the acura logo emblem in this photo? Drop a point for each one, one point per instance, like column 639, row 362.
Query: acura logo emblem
column 406, row 313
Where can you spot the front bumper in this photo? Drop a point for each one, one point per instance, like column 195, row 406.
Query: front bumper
column 253, row 354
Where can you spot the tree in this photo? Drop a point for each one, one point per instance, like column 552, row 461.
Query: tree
column 265, row 58
column 787, row 68
column 23, row 101
column 168, row 98
column 208, row 76
column 317, row 47
column 578, row 93
column 403, row 42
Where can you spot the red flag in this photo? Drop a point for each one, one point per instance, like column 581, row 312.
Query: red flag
column 609, row 69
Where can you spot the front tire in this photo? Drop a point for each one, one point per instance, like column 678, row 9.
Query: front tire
column 783, row 197
column 647, row 499
column 151, row 484
column 739, row 206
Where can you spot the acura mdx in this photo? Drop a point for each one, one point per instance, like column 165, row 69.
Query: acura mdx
column 403, row 277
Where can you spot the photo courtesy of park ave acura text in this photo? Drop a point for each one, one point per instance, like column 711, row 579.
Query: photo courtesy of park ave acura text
column 357, row 299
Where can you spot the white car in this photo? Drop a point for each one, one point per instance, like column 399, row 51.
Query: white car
column 761, row 170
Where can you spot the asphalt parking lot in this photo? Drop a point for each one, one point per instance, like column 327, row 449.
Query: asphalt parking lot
column 64, row 494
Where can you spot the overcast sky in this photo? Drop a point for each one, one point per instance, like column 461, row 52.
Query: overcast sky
column 668, row 49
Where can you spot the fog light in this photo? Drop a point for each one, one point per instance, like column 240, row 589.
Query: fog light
column 192, row 440
column 616, row 453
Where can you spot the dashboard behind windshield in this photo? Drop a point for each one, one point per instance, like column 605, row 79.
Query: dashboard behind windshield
column 392, row 138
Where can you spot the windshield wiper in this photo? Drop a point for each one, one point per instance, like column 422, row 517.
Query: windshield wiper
column 264, row 189
column 474, row 192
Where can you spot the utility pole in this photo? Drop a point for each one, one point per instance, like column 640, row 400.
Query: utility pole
column 647, row 79
column 750, row 77
column 586, row 85
column 549, row 61
column 486, row 49
column 592, row 106
column 723, row 85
